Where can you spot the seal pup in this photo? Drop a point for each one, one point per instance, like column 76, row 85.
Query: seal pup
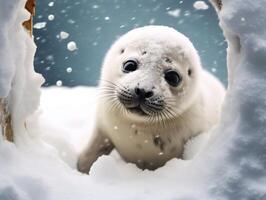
column 154, row 96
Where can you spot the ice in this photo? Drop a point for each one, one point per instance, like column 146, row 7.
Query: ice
column 106, row 18
column 71, row 46
column 174, row 13
column 63, row 35
column 200, row 5
column 39, row 25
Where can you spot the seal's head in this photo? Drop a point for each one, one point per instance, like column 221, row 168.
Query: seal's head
column 151, row 73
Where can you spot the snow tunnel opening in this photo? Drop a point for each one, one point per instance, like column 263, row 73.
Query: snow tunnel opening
column 227, row 172
column 67, row 53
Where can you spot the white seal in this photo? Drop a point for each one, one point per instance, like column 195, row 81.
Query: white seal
column 154, row 96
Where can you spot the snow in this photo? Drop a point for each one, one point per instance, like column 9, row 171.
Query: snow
column 51, row 4
column 95, row 6
column 16, row 69
column 10, row 42
column 51, row 163
column 69, row 70
column 229, row 165
column 39, row 25
column 72, row 46
column 174, row 13
column 59, row 83
column 63, row 35
column 50, row 17
column 200, row 5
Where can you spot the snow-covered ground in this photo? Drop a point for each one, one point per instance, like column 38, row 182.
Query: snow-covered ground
column 46, row 168
column 42, row 163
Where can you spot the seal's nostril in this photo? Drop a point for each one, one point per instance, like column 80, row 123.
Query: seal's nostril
column 138, row 91
column 141, row 93
column 148, row 94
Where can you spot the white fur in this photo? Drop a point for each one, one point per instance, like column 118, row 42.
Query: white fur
column 195, row 104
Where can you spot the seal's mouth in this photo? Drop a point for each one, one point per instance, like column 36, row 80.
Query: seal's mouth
column 138, row 111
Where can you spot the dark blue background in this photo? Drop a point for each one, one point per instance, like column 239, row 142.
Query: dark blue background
column 85, row 21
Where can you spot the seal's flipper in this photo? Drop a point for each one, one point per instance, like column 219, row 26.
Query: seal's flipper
column 99, row 145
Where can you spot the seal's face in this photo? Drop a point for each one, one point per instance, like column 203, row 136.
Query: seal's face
column 140, row 97
column 151, row 73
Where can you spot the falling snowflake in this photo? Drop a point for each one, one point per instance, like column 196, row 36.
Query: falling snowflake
column 71, row 46
column 69, row 70
column 59, row 83
column 39, row 25
column 200, row 5
column 174, row 13
column 51, row 17
column 63, row 35
column 51, row 4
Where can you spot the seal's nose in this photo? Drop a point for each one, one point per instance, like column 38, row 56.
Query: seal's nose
column 142, row 93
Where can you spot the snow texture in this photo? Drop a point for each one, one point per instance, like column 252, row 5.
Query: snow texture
column 11, row 23
column 16, row 68
column 231, row 164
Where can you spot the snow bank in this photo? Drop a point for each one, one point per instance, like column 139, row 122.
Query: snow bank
column 64, row 124
column 231, row 166
column 11, row 17
column 239, row 141
column 18, row 81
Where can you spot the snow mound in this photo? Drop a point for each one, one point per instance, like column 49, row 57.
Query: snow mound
column 63, row 125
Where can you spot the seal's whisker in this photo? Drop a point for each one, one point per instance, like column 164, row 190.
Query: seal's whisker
column 113, row 84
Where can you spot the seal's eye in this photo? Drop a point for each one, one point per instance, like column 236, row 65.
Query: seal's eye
column 130, row 66
column 172, row 78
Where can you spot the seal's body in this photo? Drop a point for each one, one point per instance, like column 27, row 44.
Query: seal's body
column 154, row 96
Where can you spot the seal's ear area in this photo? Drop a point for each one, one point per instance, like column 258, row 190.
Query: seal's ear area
column 182, row 54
